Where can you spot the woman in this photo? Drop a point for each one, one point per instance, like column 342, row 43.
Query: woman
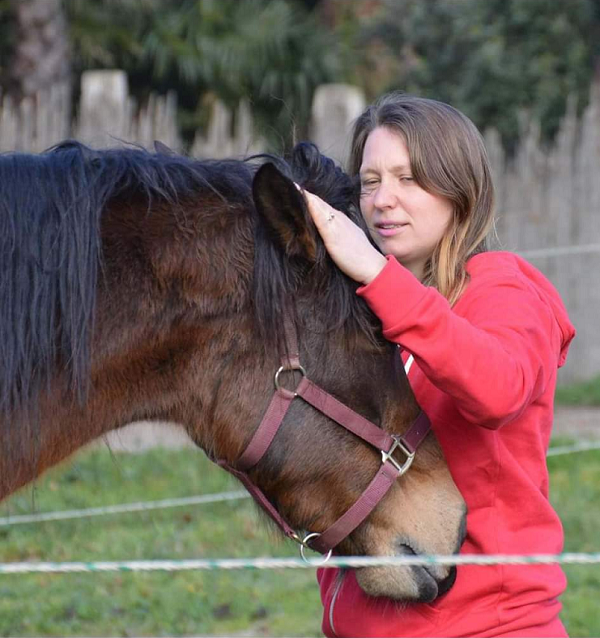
column 485, row 333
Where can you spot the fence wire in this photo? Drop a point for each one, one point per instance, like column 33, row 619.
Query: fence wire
column 294, row 563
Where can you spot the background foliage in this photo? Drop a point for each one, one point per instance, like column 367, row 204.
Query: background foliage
column 493, row 59
column 273, row 54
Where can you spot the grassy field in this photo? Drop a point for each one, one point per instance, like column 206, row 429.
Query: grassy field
column 270, row 603
column 583, row 393
column 126, row 604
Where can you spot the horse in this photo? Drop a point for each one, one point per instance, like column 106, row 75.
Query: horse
column 146, row 285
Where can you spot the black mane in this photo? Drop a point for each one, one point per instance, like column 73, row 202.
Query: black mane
column 50, row 250
column 50, row 210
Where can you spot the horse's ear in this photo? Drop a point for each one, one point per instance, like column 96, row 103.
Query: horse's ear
column 283, row 210
column 163, row 149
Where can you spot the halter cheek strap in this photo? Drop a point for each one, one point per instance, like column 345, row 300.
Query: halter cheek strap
column 325, row 403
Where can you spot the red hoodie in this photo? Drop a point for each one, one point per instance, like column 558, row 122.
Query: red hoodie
column 485, row 372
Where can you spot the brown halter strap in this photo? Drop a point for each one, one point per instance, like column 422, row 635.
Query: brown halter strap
column 386, row 443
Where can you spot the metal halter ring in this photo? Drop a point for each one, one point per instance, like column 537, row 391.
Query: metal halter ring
column 299, row 368
column 304, row 544
column 387, row 456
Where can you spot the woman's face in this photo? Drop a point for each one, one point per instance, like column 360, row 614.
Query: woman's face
column 404, row 220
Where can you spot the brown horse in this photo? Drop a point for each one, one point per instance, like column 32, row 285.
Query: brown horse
column 137, row 285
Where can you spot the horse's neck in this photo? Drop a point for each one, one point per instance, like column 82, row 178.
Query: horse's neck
column 177, row 378
column 156, row 329
column 123, row 389
column 50, row 433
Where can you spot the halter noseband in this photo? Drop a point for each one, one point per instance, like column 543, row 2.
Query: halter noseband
column 322, row 401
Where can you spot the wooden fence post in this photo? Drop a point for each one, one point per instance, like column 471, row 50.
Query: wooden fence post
column 335, row 107
column 105, row 109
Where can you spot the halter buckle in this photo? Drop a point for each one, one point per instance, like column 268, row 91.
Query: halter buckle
column 387, row 456
column 303, row 542
column 288, row 368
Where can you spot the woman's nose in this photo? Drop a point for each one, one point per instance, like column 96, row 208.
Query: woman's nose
column 385, row 197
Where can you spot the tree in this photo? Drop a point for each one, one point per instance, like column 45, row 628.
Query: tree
column 273, row 53
column 493, row 59
column 35, row 49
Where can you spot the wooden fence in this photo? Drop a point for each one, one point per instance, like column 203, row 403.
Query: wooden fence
column 548, row 198
column 549, row 211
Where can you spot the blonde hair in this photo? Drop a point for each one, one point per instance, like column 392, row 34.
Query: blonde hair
column 448, row 158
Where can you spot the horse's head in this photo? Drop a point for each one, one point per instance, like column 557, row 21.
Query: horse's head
column 149, row 286
column 314, row 469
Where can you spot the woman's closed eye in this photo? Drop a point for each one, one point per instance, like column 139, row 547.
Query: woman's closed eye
column 368, row 185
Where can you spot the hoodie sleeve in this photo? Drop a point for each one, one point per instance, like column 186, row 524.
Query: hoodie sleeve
column 494, row 353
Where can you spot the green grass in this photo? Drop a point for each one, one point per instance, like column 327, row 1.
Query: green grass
column 124, row 604
column 270, row 603
column 583, row 393
column 575, row 494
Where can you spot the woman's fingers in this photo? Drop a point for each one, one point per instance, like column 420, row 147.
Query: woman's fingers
column 321, row 212
column 344, row 240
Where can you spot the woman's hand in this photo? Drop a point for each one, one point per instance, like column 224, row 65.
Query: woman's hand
column 347, row 244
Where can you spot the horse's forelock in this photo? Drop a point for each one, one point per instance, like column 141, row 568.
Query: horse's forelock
column 321, row 175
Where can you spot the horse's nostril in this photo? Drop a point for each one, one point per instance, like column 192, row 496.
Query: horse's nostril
column 405, row 549
column 445, row 584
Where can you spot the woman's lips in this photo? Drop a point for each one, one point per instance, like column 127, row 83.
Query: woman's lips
column 389, row 229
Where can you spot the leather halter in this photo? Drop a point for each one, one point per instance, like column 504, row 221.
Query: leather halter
column 322, row 401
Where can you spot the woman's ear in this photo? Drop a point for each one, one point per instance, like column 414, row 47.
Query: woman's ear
column 282, row 208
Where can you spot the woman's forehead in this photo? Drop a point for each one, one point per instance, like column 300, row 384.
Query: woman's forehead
column 385, row 149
